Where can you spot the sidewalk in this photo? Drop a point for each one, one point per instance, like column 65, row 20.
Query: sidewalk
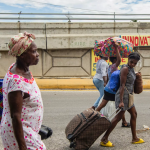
column 74, row 83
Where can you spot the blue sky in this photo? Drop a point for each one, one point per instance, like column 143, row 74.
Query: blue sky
column 17, row 8
column 84, row 6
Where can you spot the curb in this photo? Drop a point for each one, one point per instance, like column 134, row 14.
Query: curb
column 146, row 83
column 74, row 83
column 65, row 83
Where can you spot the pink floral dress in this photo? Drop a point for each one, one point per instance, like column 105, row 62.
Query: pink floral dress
column 32, row 113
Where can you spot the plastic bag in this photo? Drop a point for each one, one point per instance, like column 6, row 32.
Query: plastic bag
column 108, row 109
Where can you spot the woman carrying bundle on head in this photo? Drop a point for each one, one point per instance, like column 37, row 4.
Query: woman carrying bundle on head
column 109, row 94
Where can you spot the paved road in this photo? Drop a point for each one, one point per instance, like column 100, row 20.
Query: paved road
column 61, row 106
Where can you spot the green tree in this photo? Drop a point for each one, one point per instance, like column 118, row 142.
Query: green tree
column 134, row 20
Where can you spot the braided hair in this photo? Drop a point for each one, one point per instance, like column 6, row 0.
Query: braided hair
column 134, row 55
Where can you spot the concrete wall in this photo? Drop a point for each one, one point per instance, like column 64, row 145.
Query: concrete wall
column 52, row 64
column 65, row 48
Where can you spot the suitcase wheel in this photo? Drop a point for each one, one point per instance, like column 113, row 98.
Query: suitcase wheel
column 72, row 144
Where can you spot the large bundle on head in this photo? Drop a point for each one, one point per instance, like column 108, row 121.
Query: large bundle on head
column 106, row 47
column 138, row 84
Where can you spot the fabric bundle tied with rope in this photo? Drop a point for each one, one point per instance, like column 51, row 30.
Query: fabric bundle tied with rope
column 106, row 48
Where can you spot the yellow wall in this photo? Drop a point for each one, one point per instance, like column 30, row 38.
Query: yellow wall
column 95, row 59
column 137, row 40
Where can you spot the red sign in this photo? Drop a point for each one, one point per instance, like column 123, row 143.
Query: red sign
column 138, row 40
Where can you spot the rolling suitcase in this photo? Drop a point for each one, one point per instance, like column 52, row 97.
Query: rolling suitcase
column 83, row 130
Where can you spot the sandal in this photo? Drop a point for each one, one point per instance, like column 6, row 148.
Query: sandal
column 127, row 125
column 139, row 142
column 108, row 144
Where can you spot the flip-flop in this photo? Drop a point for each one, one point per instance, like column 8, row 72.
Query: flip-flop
column 126, row 125
column 108, row 144
column 139, row 142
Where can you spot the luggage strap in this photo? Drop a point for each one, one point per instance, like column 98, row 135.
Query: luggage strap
column 83, row 116
column 112, row 116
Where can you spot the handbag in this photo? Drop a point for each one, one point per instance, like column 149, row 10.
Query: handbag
column 45, row 132
column 131, row 98
column 138, row 84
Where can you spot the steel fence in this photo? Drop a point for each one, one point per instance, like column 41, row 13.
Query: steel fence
column 73, row 16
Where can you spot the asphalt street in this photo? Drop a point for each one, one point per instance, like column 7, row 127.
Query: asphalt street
column 61, row 106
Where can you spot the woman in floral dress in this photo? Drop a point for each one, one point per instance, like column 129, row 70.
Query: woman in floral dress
column 22, row 103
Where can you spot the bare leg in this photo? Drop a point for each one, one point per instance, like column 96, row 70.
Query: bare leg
column 133, row 114
column 113, row 125
column 123, row 119
column 103, row 104
column 124, row 122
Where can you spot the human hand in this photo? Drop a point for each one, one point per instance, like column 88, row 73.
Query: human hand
column 23, row 147
column 105, row 84
column 121, row 105
column 116, row 44
column 93, row 107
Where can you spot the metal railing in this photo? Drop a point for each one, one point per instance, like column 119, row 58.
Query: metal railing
column 69, row 16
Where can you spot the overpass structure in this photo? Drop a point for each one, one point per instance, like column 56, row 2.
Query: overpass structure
column 66, row 48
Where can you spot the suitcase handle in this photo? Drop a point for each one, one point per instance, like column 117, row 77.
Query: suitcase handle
column 112, row 116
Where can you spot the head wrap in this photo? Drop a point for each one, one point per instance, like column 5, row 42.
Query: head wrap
column 19, row 43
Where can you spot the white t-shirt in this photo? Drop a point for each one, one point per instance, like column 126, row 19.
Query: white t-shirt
column 101, row 69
